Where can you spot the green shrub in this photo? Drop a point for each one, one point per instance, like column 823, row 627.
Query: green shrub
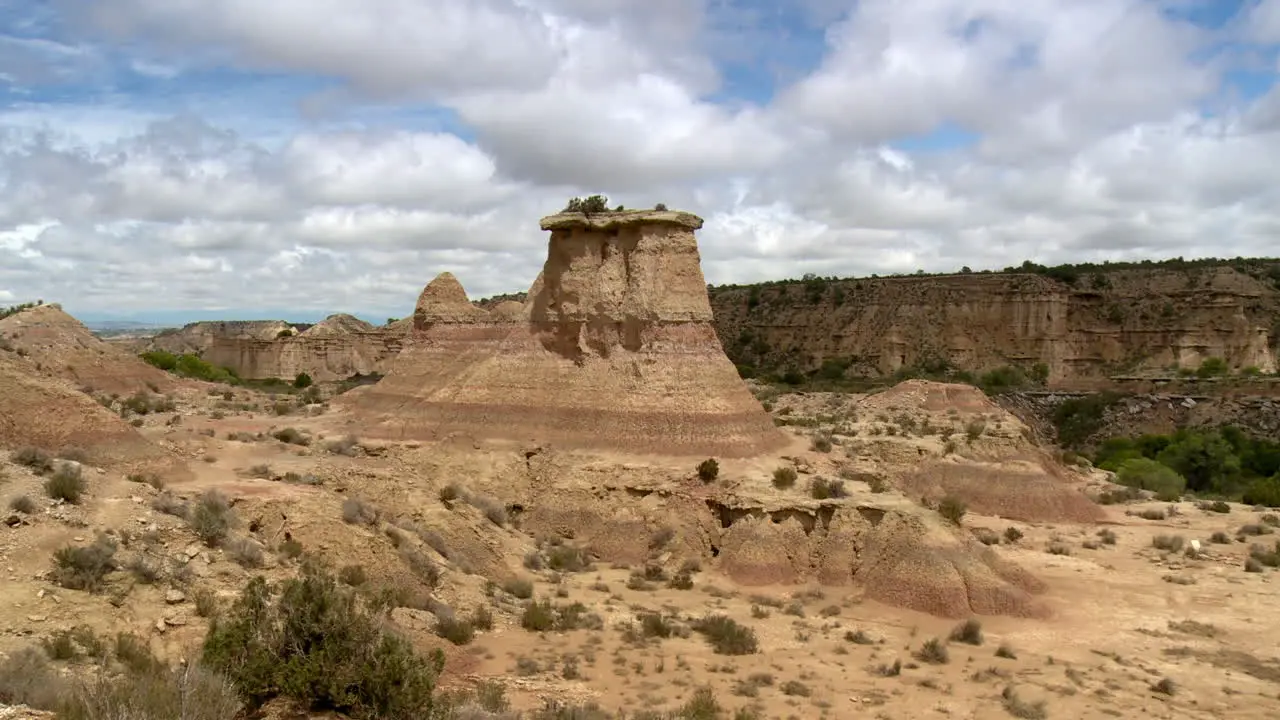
column 1264, row 492
column 86, row 567
column 1012, row 534
column 67, row 483
column 568, row 558
column 823, row 489
column 934, row 652
column 352, row 575
column 1146, row 474
column 708, row 470
column 302, row 380
column 291, row 436
column 727, row 636
column 519, row 587
column 316, row 643
column 455, row 630
column 784, row 477
column 212, row 517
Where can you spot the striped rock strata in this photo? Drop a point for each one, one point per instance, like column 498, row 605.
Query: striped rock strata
column 614, row 349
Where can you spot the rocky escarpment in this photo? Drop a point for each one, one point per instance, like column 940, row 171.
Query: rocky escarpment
column 614, row 348
column 198, row 337
column 895, row 551
column 325, row 357
column 1103, row 323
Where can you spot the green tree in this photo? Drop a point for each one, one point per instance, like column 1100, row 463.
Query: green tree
column 302, row 380
column 1206, row 460
column 1213, row 367
column 1146, row 474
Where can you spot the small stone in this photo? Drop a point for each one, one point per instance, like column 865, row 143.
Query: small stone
column 160, row 626
column 35, row 618
column 174, row 597
column 40, row 594
column 175, row 620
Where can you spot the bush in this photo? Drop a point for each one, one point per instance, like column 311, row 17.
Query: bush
column 567, row 558
column 84, row 568
column 823, row 489
column 1146, row 474
column 246, row 552
column 212, row 517
column 1012, row 534
column 169, row 504
column 784, row 477
column 708, row 470
column 538, row 616
column 357, row 511
column 726, row 636
column 587, row 205
column 1019, row 708
column 1264, row 492
column 67, row 483
column 302, row 380
column 934, row 652
column 38, row 460
column 1169, row 543
column 316, row 643
column 23, row 504
column 820, row 443
column 456, row 631
column 952, row 508
column 519, row 587
column 291, row 436
column 968, row 632
column 352, row 575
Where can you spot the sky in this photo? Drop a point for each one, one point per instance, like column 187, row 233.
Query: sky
column 186, row 159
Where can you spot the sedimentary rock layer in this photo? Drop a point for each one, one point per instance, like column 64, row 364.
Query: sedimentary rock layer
column 614, row 349
column 1103, row 324
column 323, row 357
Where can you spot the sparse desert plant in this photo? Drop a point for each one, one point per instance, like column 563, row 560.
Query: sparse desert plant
column 821, row 442
column 784, row 477
column 859, row 637
column 726, row 636
column 538, row 616
column 974, row 429
column 1019, row 708
column 893, row 670
column 568, row 558
column 877, row 484
column 352, row 575
column 1058, row 548
column 968, row 632
column 425, row 570
column 146, row 570
column 1270, row 519
column 654, row 625
column 245, row 551
column 521, row 588
column 291, row 436
column 987, row 536
column 1251, row 565
column 1165, row 686
column 348, row 446
column 681, row 581
column 1006, row 652
column 359, row 512
column 1012, row 534
column 708, row 470
column 1254, row 530
column 169, row 504
column 67, row 483
column 1217, row 506
column 1220, row 538
column 39, row 461
column 23, row 504
column 290, row 548
column 148, row 478
column 206, row 603
column 211, row 519
column 1168, row 543
column 795, row 688
column 952, row 508
column 934, row 652
column 1153, row 514
column 455, row 630
column 1107, row 536
column 84, row 567
column 481, row 618
column 823, row 489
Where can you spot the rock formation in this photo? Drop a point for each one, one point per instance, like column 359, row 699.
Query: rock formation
column 339, row 324
column 325, row 356
column 198, row 337
column 614, row 349
column 1120, row 321
column 57, row 344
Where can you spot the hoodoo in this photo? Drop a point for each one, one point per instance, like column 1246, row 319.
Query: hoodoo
column 614, row 350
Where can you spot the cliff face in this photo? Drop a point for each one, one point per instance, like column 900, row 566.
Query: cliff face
column 198, row 337
column 323, row 357
column 614, row 348
column 1119, row 322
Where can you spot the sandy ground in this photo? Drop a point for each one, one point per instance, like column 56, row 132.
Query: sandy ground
column 1127, row 617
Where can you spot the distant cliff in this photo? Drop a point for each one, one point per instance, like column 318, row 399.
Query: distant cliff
column 1093, row 324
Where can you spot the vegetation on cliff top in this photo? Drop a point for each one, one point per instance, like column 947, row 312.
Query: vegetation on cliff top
column 15, row 309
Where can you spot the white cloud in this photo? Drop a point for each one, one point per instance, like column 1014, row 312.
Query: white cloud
column 1093, row 143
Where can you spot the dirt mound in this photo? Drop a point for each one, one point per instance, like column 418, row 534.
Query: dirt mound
column 938, row 439
column 57, row 344
column 48, row 414
column 617, row 352
column 339, row 324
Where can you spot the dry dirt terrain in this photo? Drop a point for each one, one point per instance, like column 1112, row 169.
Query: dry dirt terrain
column 1132, row 630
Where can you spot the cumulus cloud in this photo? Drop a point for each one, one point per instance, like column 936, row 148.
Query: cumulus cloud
column 409, row 137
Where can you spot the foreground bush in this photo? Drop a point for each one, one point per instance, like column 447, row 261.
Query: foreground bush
column 727, row 636
column 318, row 644
column 67, row 484
column 1157, row 477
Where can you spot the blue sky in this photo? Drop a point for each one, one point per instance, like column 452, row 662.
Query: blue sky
column 335, row 155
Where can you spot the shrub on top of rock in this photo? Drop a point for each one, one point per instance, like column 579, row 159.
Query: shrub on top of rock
column 588, row 205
